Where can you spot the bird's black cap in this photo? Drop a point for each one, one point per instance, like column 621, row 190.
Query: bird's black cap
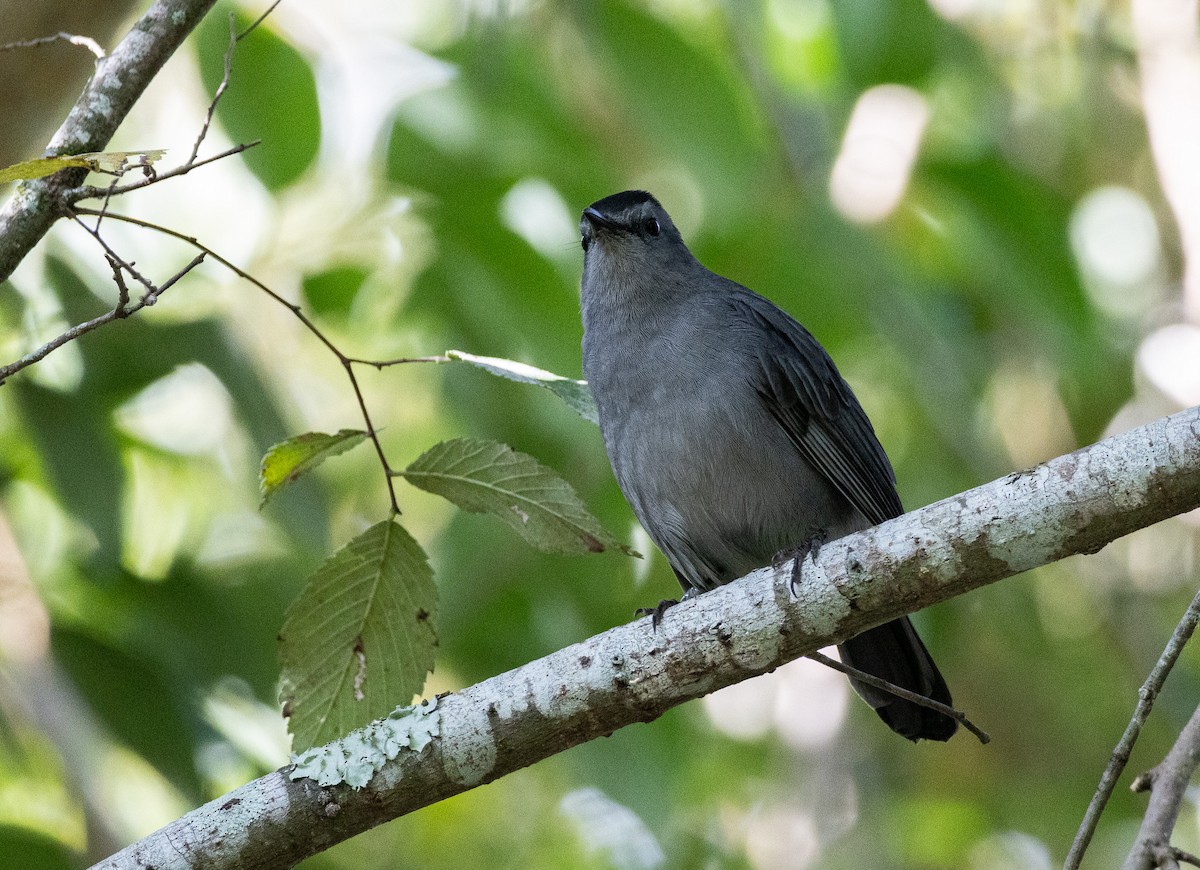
column 622, row 202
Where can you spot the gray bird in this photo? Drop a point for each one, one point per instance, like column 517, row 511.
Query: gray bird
column 731, row 432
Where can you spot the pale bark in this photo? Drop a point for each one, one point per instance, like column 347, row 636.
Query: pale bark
column 1074, row 504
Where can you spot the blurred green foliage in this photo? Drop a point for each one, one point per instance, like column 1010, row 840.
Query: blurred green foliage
column 964, row 320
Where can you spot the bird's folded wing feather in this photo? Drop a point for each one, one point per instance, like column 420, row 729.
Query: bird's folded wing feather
column 802, row 389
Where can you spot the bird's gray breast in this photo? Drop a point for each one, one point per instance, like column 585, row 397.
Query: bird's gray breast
column 709, row 472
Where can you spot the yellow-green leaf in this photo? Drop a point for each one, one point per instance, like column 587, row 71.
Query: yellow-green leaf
column 289, row 459
column 110, row 162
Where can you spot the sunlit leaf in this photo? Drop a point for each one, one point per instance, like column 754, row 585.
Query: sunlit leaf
column 575, row 393
column 110, row 162
column 489, row 477
column 360, row 638
column 287, row 460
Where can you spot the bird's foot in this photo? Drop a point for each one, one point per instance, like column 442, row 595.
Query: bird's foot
column 656, row 612
column 808, row 549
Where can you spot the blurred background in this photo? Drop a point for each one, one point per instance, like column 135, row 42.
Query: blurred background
column 983, row 209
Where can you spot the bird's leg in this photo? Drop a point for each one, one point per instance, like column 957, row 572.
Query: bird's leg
column 807, row 549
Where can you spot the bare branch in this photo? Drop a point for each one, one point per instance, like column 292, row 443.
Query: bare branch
column 212, row 106
column 1153, row 849
column 86, row 41
column 901, row 692
column 119, row 81
column 122, row 288
column 122, row 310
column 1073, row 504
column 1120, row 754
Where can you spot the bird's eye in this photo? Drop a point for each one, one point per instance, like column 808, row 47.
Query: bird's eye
column 652, row 226
column 585, row 241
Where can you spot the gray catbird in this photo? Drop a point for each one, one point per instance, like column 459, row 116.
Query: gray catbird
column 731, row 432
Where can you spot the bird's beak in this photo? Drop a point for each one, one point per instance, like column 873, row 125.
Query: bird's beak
column 596, row 219
column 592, row 221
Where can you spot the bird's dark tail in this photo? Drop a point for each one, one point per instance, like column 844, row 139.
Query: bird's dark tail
column 894, row 652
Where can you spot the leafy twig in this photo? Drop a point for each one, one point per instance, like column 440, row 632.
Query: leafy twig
column 347, row 363
column 1120, row 754
column 86, row 191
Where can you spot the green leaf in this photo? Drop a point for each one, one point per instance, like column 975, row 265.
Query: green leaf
column 272, row 96
column 575, row 393
column 489, row 477
column 332, row 292
column 360, row 638
column 287, row 460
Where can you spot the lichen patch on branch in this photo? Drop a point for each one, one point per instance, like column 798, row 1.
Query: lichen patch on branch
column 355, row 758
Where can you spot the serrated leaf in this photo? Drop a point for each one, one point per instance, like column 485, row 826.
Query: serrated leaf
column 489, row 477
column 289, row 459
column 360, row 638
column 111, row 162
column 575, row 393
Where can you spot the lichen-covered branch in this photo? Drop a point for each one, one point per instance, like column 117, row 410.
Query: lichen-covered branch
column 1074, row 504
column 120, row 79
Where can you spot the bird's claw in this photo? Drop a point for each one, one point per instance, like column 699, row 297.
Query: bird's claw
column 808, row 549
column 656, row 612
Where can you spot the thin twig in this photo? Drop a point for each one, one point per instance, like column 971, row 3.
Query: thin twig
column 122, row 310
column 86, row 41
column 382, row 364
column 122, row 287
column 234, row 39
column 346, row 362
column 82, row 192
column 107, row 199
column 152, row 296
column 258, row 21
column 127, row 265
column 1120, row 754
column 1184, row 857
column 901, row 692
column 212, row 106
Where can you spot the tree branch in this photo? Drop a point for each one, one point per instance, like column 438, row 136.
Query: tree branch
column 119, row 81
column 1121, row 752
column 1166, row 783
column 1074, row 504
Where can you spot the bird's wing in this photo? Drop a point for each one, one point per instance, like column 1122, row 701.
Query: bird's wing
column 801, row 388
